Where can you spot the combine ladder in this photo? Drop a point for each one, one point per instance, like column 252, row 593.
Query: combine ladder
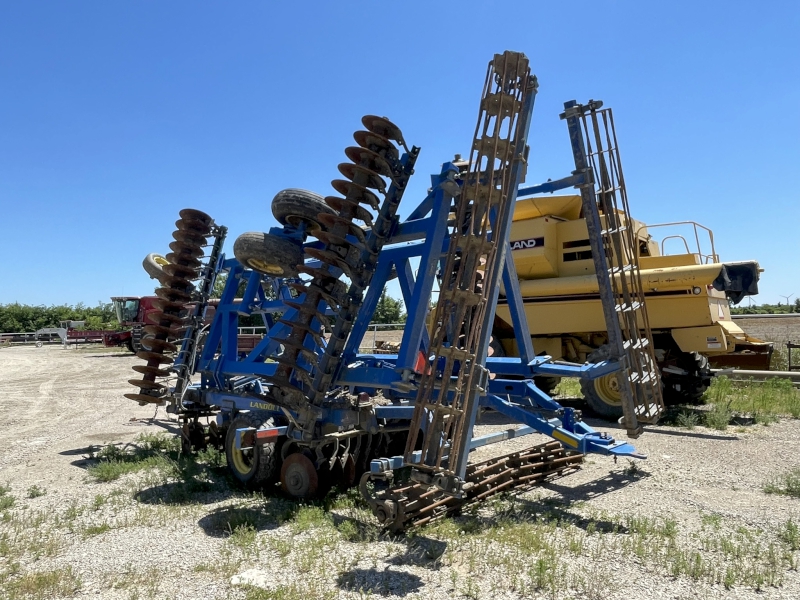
column 615, row 256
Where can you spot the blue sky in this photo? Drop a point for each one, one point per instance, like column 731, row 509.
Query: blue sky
column 116, row 115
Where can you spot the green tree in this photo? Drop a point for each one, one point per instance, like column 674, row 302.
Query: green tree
column 389, row 310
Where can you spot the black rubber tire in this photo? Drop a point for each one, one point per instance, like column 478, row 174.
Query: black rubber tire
column 252, row 468
column 692, row 386
column 599, row 393
column 154, row 265
column 269, row 254
column 295, row 207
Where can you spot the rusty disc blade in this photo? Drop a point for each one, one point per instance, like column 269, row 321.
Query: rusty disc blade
column 186, row 248
column 298, row 347
column 311, row 310
column 344, row 206
column 183, row 260
column 160, row 330
column 193, row 226
column 197, row 215
column 165, row 319
column 157, row 345
column 369, row 160
column 189, row 237
column 376, row 143
column 155, row 371
column 300, row 327
column 175, row 283
column 334, row 296
column 173, row 295
column 332, row 222
column 168, row 306
column 180, row 271
column 356, row 193
column 331, row 258
column 145, row 399
column 384, row 127
column 299, row 477
column 331, row 239
column 362, row 176
column 154, row 357
column 147, row 385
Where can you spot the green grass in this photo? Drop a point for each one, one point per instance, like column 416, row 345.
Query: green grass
column 687, row 420
column 148, row 451
column 569, row 387
column 96, row 529
column 786, row 484
column 761, row 403
column 286, row 592
column 161, row 454
column 35, row 491
column 790, row 535
column 40, row 585
column 6, row 499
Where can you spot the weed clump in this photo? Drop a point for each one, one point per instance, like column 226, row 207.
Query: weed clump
column 787, row 484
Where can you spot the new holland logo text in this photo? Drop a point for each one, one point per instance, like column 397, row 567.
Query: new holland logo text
column 529, row 243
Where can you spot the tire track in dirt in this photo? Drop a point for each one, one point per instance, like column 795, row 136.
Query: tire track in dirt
column 54, row 398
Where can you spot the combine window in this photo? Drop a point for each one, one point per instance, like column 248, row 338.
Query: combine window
column 127, row 310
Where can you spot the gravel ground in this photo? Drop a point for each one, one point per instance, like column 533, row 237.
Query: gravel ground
column 691, row 521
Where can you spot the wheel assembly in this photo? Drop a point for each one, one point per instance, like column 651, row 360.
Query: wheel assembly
column 252, row 467
column 269, row 254
column 602, row 394
column 692, row 382
column 154, row 265
column 298, row 208
column 299, row 477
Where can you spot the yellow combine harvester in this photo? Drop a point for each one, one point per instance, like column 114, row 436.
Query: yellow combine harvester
column 687, row 296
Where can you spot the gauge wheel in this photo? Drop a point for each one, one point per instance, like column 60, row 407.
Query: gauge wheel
column 269, row 254
column 296, row 208
column 255, row 466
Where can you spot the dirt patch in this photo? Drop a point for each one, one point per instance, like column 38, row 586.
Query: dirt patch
column 692, row 521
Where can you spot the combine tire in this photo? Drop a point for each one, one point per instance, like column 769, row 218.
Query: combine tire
column 252, row 468
column 689, row 389
column 296, row 207
column 602, row 394
column 154, row 265
column 269, row 254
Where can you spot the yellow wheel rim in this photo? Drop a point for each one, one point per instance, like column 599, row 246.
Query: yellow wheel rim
column 264, row 267
column 607, row 388
column 242, row 463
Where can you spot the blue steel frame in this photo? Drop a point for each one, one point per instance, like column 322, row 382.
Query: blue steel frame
column 233, row 383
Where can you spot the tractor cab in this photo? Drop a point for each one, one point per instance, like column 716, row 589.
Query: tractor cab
column 127, row 309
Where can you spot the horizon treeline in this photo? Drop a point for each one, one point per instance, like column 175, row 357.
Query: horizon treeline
column 23, row 318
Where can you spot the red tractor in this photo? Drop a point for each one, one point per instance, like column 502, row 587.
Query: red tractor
column 132, row 312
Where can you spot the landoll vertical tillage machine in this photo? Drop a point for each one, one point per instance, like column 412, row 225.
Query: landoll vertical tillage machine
column 305, row 408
